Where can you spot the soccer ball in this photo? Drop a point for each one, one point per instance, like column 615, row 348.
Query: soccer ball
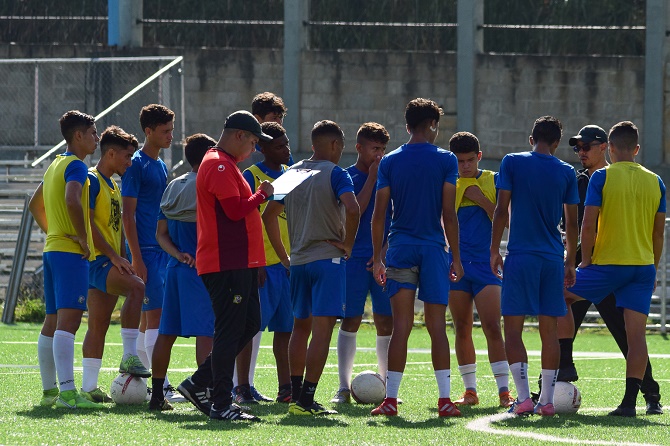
column 567, row 398
column 128, row 389
column 368, row 388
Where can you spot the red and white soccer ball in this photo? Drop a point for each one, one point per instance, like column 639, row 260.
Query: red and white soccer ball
column 128, row 389
column 567, row 398
column 368, row 388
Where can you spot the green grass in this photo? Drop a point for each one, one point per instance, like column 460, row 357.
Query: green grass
column 601, row 384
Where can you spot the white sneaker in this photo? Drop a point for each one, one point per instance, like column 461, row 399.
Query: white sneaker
column 172, row 395
column 342, row 396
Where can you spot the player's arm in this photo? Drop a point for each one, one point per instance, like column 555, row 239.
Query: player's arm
column 130, row 227
column 36, row 207
column 382, row 198
column 500, row 218
column 352, row 218
column 73, row 191
column 475, row 194
column 236, row 208
column 451, row 229
column 365, row 194
column 588, row 237
column 658, row 236
column 270, row 220
column 571, row 233
column 166, row 243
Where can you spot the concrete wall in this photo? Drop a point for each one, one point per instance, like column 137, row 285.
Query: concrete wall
column 354, row 87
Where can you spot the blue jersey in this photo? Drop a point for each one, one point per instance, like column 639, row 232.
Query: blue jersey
column 416, row 174
column 540, row 185
column 145, row 180
column 363, row 243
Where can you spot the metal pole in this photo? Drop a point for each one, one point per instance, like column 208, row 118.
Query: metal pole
column 654, row 64
column 296, row 13
column 664, row 281
column 469, row 43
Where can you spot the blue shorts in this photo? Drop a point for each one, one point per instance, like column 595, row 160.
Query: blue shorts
column 532, row 285
column 359, row 283
column 632, row 285
column 275, row 297
column 318, row 288
column 98, row 271
column 155, row 259
column 187, row 308
column 477, row 276
column 65, row 281
column 433, row 264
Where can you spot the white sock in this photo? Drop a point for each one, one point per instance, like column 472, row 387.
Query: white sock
column 45, row 359
column 548, row 386
column 383, row 355
column 393, row 383
column 520, row 374
column 150, row 337
column 469, row 374
column 129, row 338
column 255, row 348
column 63, row 346
column 346, row 351
column 141, row 350
column 91, row 368
column 500, row 371
column 235, row 380
column 443, row 382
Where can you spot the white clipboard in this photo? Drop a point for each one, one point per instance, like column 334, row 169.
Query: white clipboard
column 289, row 180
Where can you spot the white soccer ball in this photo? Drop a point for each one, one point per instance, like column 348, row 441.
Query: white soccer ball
column 368, row 388
column 128, row 389
column 567, row 398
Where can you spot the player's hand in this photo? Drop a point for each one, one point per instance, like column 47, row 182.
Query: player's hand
column 287, row 264
column 584, row 263
column 84, row 247
column 569, row 277
column 497, row 265
column 474, row 193
column 456, row 271
column 262, row 276
column 369, row 263
column 342, row 246
column 379, row 273
column 186, row 258
column 123, row 265
column 374, row 167
column 140, row 269
column 267, row 188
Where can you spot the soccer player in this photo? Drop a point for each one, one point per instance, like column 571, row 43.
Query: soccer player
column 539, row 186
column 475, row 202
column 266, row 107
column 590, row 145
column 60, row 207
column 110, row 274
column 228, row 219
column 187, row 310
column 627, row 204
column 142, row 187
column 274, row 286
column 419, row 179
column 322, row 215
column 371, row 141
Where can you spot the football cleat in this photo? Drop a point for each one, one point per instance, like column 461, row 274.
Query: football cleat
column 523, row 408
column 568, row 373
column 654, row 406
column 623, row 411
column 545, row 410
column 232, row 413
column 342, row 396
column 96, row 395
column 133, row 366
column 242, row 395
column 284, row 394
column 388, row 407
column 259, row 397
column 49, row 397
column 314, row 409
column 172, row 396
column 159, row 405
column 469, row 398
column 446, row 408
column 506, row 400
column 198, row 396
column 70, row 399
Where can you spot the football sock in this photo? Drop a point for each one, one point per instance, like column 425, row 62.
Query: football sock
column 91, row 368
column 566, row 352
column 346, row 351
column 307, row 394
column 157, row 388
column 520, row 375
column 129, row 339
column 150, row 337
column 383, row 355
column 393, row 383
column 500, row 371
column 296, row 387
column 469, row 374
column 64, row 359
column 45, row 359
column 547, row 392
column 632, row 389
column 444, row 382
column 255, row 347
column 141, row 350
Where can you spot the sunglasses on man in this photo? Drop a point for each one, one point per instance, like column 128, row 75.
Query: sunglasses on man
column 586, row 147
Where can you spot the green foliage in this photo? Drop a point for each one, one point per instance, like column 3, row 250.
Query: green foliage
column 30, row 310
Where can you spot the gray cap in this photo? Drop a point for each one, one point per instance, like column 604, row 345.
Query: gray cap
column 243, row 120
column 589, row 134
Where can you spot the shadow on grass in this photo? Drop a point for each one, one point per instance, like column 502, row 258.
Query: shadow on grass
column 579, row 420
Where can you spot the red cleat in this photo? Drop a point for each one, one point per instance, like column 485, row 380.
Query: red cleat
column 447, row 409
column 388, row 407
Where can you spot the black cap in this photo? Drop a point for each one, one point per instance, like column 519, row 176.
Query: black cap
column 589, row 134
column 243, row 120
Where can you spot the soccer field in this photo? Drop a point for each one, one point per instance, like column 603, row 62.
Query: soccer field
column 600, row 366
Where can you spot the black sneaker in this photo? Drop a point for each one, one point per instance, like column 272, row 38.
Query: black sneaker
column 623, row 411
column 567, row 374
column 653, row 404
column 242, row 395
column 159, row 405
column 284, row 395
column 197, row 395
column 232, row 413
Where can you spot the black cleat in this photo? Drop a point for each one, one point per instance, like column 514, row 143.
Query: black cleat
column 567, row 374
column 197, row 395
column 653, row 404
column 232, row 413
column 623, row 411
column 159, row 405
